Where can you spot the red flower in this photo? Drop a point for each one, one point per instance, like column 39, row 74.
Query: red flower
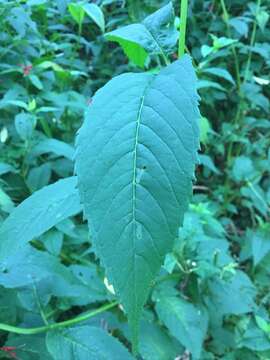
column 26, row 69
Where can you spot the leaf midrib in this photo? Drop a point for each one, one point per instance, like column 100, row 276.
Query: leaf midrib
column 134, row 185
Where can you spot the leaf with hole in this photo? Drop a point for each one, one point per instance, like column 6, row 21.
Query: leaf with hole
column 135, row 160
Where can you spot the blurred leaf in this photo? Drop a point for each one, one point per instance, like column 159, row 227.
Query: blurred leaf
column 39, row 177
column 25, row 124
column 262, row 18
column 77, row 12
column 5, row 168
column 240, row 24
column 53, row 241
column 243, row 168
column 36, row 81
column 204, row 129
column 254, row 338
column 221, row 73
column 206, row 161
column 96, row 14
column 202, row 84
column 6, row 203
column 54, row 146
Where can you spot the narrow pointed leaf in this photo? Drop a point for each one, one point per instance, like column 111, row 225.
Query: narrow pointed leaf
column 136, row 154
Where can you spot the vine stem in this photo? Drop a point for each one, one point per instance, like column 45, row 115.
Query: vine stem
column 183, row 26
column 252, row 40
column 62, row 324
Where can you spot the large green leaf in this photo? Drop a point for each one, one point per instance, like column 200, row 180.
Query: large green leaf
column 155, row 35
column 136, row 154
column 85, row 343
column 39, row 213
column 185, row 321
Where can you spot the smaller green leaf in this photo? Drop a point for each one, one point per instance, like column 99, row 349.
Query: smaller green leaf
column 243, row 168
column 57, row 147
column 264, row 325
column 155, row 35
column 239, row 289
column 240, row 24
column 53, row 241
column 77, row 12
column 203, row 84
column 39, row 213
column 222, row 42
column 6, row 168
column 134, row 51
column 186, row 322
column 25, row 124
column 221, row 73
column 260, row 244
column 254, row 338
column 50, row 65
column 156, row 344
column 6, row 203
column 36, row 81
column 262, row 18
column 39, row 177
column 206, row 161
column 96, row 14
column 206, row 50
column 205, row 127
column 85, row 343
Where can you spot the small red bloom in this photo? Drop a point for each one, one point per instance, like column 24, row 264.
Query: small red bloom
column 26, row 69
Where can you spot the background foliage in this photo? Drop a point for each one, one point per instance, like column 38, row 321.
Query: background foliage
column 211, row 300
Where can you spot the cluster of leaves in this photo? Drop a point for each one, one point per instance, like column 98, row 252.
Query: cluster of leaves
column 211, row 298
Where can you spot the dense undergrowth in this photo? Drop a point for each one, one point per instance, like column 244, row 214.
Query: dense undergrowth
column 211, row 299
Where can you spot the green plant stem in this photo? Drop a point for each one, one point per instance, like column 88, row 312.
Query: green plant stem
column 236, row 62
column 62, row 324
column 239, row 83
column 252, row 40
column 183, row 26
